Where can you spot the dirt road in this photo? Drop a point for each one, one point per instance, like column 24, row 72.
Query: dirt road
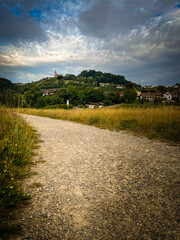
column 96, row 184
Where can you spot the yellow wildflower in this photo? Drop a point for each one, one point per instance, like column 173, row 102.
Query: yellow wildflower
column 12, row 178
column 11, row 187
column 5, row 170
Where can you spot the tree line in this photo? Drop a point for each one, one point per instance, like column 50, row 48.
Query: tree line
column 77, row 96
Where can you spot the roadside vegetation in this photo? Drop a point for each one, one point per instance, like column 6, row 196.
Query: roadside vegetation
column 161, row 122
column 17, row 140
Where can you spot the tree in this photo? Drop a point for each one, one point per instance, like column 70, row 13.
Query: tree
column 129, row 85
column 32, row 96
column 130, row 95
column 112, row 98
column 161, row 88
column 60, row 77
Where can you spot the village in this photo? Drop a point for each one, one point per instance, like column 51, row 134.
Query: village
column 147, row 94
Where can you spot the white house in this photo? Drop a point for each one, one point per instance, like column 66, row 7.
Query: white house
column 50, row 92
column 167, row 96
column 95, row 104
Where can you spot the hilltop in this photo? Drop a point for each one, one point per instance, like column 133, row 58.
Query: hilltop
column 87, row 78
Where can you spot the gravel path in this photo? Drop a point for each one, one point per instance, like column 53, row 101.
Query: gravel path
column 97, row 184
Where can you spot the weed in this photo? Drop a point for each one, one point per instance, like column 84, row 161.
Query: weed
column 17, row 139
column 36, row 185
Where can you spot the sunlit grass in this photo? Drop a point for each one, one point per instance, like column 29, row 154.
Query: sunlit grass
column 160, row 122
column 17, row 140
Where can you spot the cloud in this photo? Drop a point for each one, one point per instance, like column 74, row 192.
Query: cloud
column 109, row 18
column 139, row 38
column 16, row 28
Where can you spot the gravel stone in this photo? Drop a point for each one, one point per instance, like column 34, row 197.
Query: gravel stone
column 100, row 184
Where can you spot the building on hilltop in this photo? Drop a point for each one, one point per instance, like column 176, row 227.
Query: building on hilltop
column 57, row 75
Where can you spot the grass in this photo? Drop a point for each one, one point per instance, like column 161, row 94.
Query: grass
column 17, row 140
column 161, row 122
column 36, row 185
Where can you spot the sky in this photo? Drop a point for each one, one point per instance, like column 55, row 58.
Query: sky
column 139, row 39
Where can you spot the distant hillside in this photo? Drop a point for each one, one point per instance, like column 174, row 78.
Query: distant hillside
column 46, row 83
column 87, row 78
column 7, row 84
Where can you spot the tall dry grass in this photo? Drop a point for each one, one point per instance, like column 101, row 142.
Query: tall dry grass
column 162, row 122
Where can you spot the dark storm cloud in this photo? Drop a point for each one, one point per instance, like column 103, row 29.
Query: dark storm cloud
column 164, row 73
column 26, row 20
column 18, row 26
column 120, row 16
column 136, row 38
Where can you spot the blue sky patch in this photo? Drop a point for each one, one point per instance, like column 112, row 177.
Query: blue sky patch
column 48, row 8
column 159, row 14
column 2, row 43
column 177, row 6
column 36, row 13
column 16, row 11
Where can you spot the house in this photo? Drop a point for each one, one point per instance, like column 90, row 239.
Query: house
column 151, row 96
column 177, row 85
column 175, row 95
column 171, row 96
column 167, row 96
column 50, row 92
column 104, row 84
column 120, row 86
column 95, row 105
column 138, row 94
column 121, row 94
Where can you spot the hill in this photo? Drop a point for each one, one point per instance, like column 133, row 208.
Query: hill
column 7, row 84
column 88, row 86
column 87, row 78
